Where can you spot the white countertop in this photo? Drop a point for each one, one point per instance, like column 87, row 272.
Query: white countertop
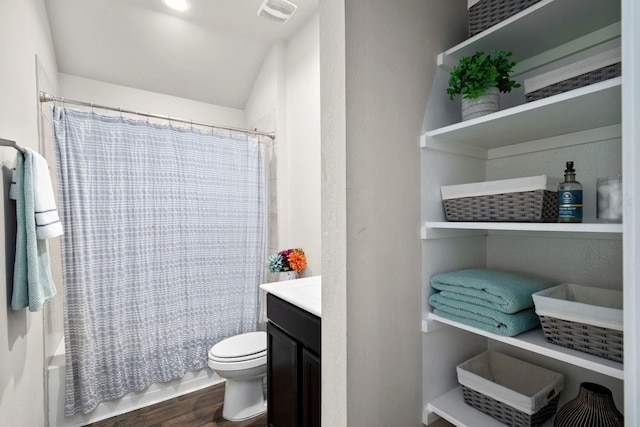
column 305, row 293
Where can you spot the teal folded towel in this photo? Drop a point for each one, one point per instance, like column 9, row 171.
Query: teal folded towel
column 484, row 318
column 501, row 290
column 32, row 281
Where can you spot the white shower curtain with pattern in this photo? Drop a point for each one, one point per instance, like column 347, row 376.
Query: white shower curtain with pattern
column 163, row 249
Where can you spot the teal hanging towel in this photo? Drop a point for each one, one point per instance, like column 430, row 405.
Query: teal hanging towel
column 30, row 187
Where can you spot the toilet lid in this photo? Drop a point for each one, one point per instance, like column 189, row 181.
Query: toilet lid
column 251, row 343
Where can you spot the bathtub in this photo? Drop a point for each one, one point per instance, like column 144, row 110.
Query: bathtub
column 155, row 393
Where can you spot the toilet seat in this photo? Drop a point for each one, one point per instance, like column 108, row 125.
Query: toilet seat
column 239, row 352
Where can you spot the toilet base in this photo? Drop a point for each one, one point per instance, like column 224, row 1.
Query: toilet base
column 243, row 399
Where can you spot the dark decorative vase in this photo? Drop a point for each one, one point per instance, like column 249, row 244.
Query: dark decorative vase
column 593, row 407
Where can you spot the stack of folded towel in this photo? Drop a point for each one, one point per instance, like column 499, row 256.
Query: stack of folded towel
column 497, row 301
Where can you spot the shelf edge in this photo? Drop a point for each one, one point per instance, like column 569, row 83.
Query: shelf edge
column 588, row 228
column 452, row 407
column 496, row 28
column 573, row 357
column 432, row 233
column 527, row 107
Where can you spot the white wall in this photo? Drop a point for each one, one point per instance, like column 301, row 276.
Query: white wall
column 303, row 137
column 377, row 65
column 24, row 32
column 267, row 91
column 266, row 111
column 333, row 130
column 286, row 99
column 81, row 89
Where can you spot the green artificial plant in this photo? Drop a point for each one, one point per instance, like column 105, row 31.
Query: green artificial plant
column 476, row 73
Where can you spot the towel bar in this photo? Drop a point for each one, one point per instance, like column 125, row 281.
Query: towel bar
column 9, row 143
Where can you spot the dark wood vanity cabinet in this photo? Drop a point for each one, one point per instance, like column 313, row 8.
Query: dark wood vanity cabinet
column 293, row 365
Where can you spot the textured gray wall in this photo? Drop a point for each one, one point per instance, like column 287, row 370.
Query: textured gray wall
column 371, row 203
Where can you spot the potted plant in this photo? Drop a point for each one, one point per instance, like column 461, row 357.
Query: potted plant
column 288, row 263
column 480, row 79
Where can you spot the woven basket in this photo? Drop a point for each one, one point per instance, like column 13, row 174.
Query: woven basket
column 603, row 342
column 586, row 79
column 527, row 206
column 510, row 390
column 507, row 414
column 487, row 13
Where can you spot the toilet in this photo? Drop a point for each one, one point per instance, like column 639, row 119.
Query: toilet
column 242, row 361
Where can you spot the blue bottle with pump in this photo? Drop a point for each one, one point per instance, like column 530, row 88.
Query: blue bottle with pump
column 570, row 197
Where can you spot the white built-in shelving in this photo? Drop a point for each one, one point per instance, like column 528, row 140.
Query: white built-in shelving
column 578, row 110
column 545, row 32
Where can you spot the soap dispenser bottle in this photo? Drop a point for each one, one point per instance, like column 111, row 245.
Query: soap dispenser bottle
column 570, row 197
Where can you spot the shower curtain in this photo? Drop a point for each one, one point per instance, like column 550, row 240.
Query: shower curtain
column 163, row 249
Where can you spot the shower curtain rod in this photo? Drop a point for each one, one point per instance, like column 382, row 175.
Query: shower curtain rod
column 45, row 97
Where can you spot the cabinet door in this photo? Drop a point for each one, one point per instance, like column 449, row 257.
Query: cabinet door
column 282, row 378
column 310, row 389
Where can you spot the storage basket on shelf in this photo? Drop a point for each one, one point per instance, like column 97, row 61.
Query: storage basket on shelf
column 487, row 13
column 596, row 68
column 582, row 318
column 510, row 390
column 529, row 199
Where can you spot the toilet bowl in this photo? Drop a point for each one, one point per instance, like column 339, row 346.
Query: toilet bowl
column 242, row 361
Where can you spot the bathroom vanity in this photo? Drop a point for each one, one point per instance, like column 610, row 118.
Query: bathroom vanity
column 293, row 352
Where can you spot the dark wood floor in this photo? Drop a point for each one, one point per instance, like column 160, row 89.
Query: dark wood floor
column 199, row 409
column 202, row 408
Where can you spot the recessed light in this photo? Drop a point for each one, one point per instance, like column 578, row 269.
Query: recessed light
column 179, row 5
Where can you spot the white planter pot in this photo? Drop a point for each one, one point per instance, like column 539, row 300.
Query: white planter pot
column 486, row 103
column 287, row 275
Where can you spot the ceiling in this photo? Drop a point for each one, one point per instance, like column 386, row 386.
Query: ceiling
column 211, row 53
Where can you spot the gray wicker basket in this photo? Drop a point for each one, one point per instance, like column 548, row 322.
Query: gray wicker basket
column 507, row 414
column 586, row 79
column 603, row 342
column 513, row 391
column 587, row 319
column 527, row 206
column 487, row 13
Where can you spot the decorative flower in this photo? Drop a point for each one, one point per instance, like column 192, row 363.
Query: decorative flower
column 297, row 260
column 274, row 263
column 287, row 260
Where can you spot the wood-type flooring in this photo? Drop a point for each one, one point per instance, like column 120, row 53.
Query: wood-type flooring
column 202, row 408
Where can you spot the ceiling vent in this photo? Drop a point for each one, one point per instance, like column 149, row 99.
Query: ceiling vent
column 277, row 10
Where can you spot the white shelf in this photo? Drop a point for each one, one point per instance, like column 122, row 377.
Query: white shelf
column 589, row 107
column 534, row 342
column 539, row 28
column 607, row 228
column 452, row 408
